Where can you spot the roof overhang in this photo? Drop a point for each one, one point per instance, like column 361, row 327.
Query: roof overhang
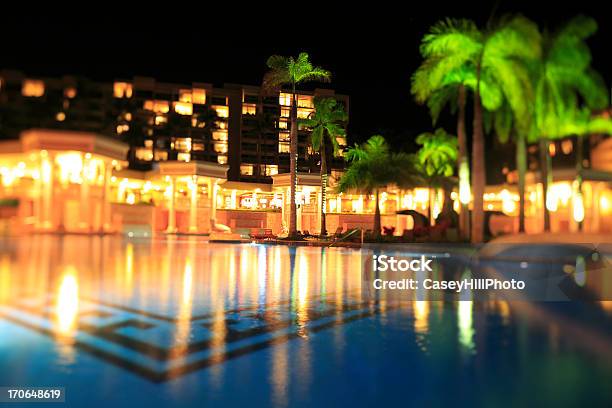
column 193, row 168
column 67, row 140
column 303, row 179
column 246, row 186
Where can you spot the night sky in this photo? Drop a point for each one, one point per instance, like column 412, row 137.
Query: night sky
column 371, row 54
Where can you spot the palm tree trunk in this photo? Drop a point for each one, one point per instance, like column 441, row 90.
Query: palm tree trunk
column 377, row 217
column 464, row 215
column 478, row 167
column 546, row 172
column 293, row 152
column 432, row 198
column 579, row 158
column 521, row 168
column 323, row 154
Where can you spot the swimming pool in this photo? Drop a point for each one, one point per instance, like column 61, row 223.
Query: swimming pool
column 183, row 322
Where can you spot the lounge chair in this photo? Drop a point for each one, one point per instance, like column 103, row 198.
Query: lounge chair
column 338, row 233
column 266, row 234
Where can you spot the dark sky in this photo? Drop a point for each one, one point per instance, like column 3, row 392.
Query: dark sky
column 371, row 52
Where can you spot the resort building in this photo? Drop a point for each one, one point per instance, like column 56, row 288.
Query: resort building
column 233, row 125
column 140, row 157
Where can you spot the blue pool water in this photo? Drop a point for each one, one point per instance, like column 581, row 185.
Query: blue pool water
column 184, row 322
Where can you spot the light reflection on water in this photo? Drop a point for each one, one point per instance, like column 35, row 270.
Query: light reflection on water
column 184, row 278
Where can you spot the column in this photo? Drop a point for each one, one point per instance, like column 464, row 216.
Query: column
column 193, row 206
column 85, row 205
column 212, row 194
column 172, row 208
column 47, row 179
column 105, row 219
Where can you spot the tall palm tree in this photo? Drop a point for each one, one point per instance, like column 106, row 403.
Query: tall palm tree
column 562, row 78
column 440, row 85
column 373, row 167
column 326, row 123
column 498, row 55
column 436, row 160
column 289, row 71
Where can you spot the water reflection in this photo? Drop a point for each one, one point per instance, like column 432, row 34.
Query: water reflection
column 67, row 304
column 229, row 300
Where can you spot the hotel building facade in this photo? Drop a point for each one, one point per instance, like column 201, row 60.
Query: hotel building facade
column 142, row 157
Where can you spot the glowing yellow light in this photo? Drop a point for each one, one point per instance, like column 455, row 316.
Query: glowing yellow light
column 60, row 117
column 421, row 315
column 465, row 194
column 67, row 303
column 578, row 206
column 421, row 195
column 33, row 88
column 508, row 203
column 222, row 111
column 465, row 323
column 604, row 203
column 122, row 90
column 183, row 108
column 70, row 166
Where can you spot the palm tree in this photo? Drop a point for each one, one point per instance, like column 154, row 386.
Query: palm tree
column 563, row 76
column 373, row 167
column 438, row 85
column 498, row 55
column 289, row 71
column 436, row 160
column 326, row 123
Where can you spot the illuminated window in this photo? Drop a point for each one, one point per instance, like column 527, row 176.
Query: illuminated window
column 198, row 96
column 249, row 109
column 305, row 101
column 157, row 106
column 182, row 144
column 246, row 169
column 197, row 123
column 122, row 90
column 148, row 143
column 222, row 159
column 284, row 136
column 222, row 111
column 144, row 154
column 183, row 108
column 70, row 92
column 285, row 112
column 220, row 135
column 270, row 169
column 303, row 113
column 284, row 99
column 185, row 95
column 183, row 157
column 283, row 124
column 122, row 128
column 33, row 88
column 220, row 147
column 161, row 155
column 60, row 117
column 283, row 147
column 220, row 124
column 160, row 120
